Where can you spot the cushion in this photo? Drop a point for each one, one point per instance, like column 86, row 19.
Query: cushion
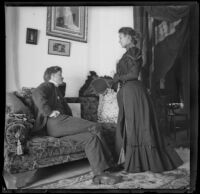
column 18, row 126
column 46, row 146
column 108, row 107
column 15, row 104
column 26, row 96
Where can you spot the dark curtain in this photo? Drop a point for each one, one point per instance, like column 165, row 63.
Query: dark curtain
column 167, row 13
column 165, row 40
column 167, row 55
column 177, row 79
column 144, row 27
column 167, row 51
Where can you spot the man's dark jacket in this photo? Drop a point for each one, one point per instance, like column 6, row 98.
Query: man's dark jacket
column 47, row 97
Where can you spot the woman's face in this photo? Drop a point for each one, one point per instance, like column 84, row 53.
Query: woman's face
column 57, row 77
column 124, row 40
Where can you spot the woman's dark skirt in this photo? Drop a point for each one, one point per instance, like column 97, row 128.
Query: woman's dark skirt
column 138, row 133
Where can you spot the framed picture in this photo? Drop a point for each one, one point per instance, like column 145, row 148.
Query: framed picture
column 56, row 47
column 68, row 22
column 31, row 36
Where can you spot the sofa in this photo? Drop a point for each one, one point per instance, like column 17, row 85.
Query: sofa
column 26, row 153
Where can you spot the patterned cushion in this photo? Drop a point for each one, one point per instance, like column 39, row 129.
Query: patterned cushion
column 44, row 147
column 26, row 96
column 108, row 107
column 17, row 128
column 18, row 164
column 42, row 152
column 89, row 107
column 15, row 105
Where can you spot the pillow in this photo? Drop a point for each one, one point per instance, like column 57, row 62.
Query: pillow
column 15, row 104
column 108, row 107
column 25, row 95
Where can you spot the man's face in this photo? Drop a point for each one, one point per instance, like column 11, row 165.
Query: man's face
column 57, row 77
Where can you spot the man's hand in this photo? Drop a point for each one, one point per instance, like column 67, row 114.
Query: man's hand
column 54, row 113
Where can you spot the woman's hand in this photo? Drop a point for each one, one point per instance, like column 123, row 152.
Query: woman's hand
column 116, row 78
column 114, row 86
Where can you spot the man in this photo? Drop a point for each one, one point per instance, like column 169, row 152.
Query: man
column 53, row 118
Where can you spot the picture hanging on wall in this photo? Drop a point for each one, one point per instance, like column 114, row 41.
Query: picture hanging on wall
column 68, row 22
column 31, row 36
column 56, row 47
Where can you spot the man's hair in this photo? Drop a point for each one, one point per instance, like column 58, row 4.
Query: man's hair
column 49, row 71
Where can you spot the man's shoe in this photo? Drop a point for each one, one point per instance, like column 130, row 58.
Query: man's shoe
column 106, row 179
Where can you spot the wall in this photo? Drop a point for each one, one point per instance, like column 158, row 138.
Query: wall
column 104, row 47
column 12, row 73
column 29, row 61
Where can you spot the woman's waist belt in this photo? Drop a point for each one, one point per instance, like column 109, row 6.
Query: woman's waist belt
column 124, row 82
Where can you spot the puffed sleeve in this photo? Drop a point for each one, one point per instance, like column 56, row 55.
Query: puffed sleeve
column 40, row 97
column 133, row 67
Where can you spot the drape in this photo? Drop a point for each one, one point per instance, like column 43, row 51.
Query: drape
column 167, row 13
column 144, row 27
column 167, row 50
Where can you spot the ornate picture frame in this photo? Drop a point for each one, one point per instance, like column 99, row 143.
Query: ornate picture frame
column 68, row 22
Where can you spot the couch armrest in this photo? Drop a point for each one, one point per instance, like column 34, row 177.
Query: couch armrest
column 89, row 108
column 17, row 131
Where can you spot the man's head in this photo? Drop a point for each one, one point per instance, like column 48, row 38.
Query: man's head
column 53, row 73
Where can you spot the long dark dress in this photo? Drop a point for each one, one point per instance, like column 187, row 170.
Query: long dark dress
column 145, row 149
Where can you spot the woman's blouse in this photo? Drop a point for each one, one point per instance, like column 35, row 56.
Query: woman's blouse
column 129, row 66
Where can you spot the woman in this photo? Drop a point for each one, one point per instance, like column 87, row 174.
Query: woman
column 138, row 140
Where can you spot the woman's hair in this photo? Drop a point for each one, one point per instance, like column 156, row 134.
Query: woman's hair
column 49, row 71
column 130, row 31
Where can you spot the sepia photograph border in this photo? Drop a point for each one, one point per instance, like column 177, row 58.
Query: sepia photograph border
column 194, row 103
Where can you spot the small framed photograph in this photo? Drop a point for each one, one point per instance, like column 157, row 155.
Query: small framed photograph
column 31, row 36
column 57, row 47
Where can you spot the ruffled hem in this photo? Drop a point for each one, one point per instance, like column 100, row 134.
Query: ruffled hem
column 149, row 158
